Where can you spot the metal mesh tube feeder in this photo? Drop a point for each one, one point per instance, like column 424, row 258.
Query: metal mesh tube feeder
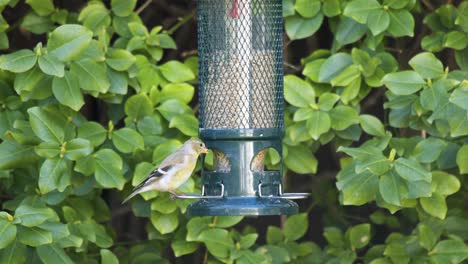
column 241, row 107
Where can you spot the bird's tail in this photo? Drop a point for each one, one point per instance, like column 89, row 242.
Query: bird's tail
column 150, row 183
column 135, row 192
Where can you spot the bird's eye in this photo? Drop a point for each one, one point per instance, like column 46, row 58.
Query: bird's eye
column 201, row 145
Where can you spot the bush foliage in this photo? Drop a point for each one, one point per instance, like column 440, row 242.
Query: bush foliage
column 380, row 100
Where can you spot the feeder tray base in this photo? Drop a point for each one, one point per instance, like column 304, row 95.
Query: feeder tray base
column 242, row 206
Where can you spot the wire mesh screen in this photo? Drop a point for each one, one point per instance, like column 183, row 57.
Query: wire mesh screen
column 241, row 64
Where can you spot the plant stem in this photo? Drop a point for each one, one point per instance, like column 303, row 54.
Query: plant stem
column 181, row 22
column 142, row 7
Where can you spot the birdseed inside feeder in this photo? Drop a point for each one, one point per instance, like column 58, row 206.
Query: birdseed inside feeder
column 241, row 107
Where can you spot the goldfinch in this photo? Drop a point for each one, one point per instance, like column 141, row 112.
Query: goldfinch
column 174, row 170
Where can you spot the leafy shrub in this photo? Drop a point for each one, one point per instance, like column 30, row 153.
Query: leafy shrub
column 382, row 101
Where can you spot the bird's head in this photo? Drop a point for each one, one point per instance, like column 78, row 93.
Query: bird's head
column 197, row 145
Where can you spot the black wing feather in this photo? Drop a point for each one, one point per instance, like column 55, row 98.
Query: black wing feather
column 157, row 173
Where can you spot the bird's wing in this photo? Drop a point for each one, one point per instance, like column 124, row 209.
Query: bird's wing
column 175, row 158
column 158, row 172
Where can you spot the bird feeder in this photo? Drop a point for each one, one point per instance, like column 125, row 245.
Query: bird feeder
column 241, row 107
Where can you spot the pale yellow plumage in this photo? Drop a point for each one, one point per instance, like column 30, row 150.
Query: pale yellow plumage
column 174, row 170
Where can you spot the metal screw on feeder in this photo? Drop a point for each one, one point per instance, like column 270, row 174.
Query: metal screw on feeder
column 241, row 107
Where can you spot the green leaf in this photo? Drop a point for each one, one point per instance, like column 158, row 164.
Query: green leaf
column 67, row 91
column 32, row 216
column 15, row 253
column 296, row 226
column 327, row 101
column 307, row 8
column 14, row 155
column 300, row 159
column 377, row 165
column 274, row 235
column 181, row 91
column 181, row 247
column 302, row 114
column 19, row 61
column 449, row 251
column 42, row 7
column 418, row 189
column 78, row 148
column 389, row 187
column 107, row 257
column 404, row 82
column 360, row 9
column 172, row 108
column 128, row 140
column 218, row 242
column 108, row 169
column 7, row 232
column 50, row 174
column 318, row 124
column 298, row 92
column 357, row 189
column 68, row 42
column 426, row 236
column 300, row 28
column 456, row 40
column 138, row 106
column 435, row 205
column 53, row 254
column 57, row 229
column 331, row 8
column 175, row 71
column 411, row 170
column 378, row 21
column 372, row 125
column 460, row 98
column 427, row 65
column 228, row 221
column 138, row 29
column 120, row 59
column 51, row 65
column 248, row 240
column 462, row 159
column 123, row 8
column 351, row 91
column 349, row 31
column 334, row 236
column 34, row 236
column 343, row 117
column 359, row 236
column 444, row 183
column 401, row 23
column 195, row 226
column 429, row 150
column 347, row 76
column 46, row 125
column 92, row 75
column 32, row 84
column 334, row 65
column 92, row 131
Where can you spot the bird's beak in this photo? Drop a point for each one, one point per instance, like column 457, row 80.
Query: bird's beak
column 204, row 150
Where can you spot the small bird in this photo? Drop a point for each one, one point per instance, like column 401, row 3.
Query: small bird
column 174, row 170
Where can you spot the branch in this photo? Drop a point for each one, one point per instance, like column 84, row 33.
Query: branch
column 181, row 22
column 143, row 6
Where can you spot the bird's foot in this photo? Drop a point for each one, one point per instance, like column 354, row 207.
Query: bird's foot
column 175, row 194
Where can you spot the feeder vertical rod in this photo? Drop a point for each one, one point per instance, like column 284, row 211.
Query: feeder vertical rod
column 239, row 29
